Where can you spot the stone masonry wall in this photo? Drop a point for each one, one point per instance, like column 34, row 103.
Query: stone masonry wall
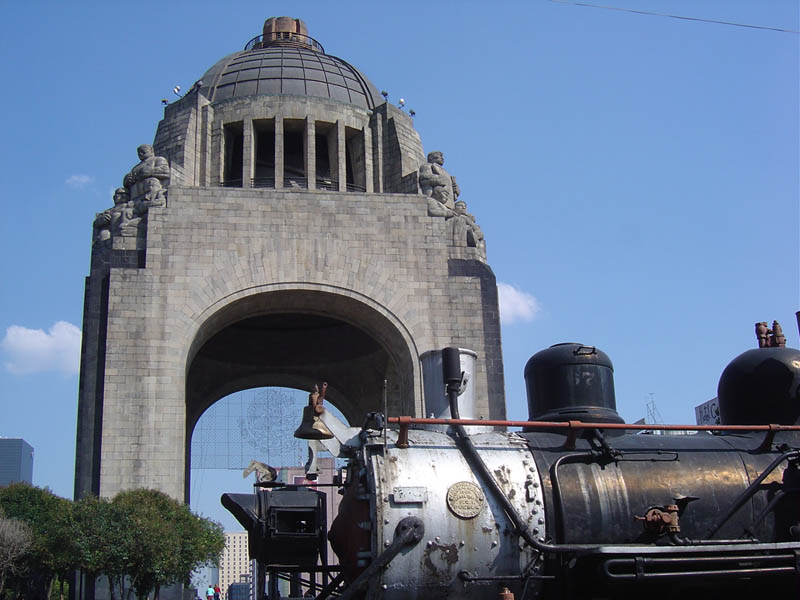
column 211, row 246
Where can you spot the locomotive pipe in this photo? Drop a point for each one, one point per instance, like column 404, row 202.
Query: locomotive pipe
column 404, row 423
column 768, row 508
column 409, row 532
column 471, row 454
column 449, row 366
column 752, row 489
column 465, row 576
column 671, row 562
column 557, row 499
column 476, row 462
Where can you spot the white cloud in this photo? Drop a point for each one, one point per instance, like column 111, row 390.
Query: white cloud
column 79, row 181
column 516, row 305
column 33, row 350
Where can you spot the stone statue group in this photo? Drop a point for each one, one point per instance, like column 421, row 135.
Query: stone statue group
column 442, row 191
column 143, row 187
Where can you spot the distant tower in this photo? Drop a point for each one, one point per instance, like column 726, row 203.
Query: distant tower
column 235, row 561
column 16, row 461
column 285, row 228
column 653, row 414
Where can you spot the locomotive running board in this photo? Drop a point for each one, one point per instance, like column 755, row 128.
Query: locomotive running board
column 641, row 568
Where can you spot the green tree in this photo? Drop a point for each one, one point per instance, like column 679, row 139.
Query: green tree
column 50, row 520
column 103, row 542
column 166, row 540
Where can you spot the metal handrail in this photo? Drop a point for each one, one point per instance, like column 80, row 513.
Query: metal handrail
column 573, row 428
column 283, row 38
column 262, row 182
column 231, row 183
column 327, row 184
column 353, row 187
column 404, row 421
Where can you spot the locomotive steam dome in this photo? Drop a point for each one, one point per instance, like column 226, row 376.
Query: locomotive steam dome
column 285, row 60
column 571, row 381
column 761, row 386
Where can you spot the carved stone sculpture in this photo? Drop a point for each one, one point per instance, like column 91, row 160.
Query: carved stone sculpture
column 149, row 165
column 111, row 220
column 437, row 183
column 263, row 471
column 466, row 231
column 142, row 188
column 128, row 224
column 154, row 195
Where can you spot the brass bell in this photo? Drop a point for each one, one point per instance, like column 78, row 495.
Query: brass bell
column 312, row 427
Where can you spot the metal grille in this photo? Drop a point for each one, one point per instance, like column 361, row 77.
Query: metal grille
column 254, row 424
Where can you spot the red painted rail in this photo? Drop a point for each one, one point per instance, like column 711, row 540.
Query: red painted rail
column 574, row 426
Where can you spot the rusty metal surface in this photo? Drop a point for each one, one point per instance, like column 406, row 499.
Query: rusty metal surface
column 483, row 545
column 408, row 533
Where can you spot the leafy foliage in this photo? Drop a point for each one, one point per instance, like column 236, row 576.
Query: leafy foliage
column 169, row 540
column 142, row 537
column 50, row 520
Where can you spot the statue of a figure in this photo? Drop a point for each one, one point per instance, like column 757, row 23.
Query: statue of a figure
column 437, row 183
column 149, row 165
column 154, row 195
column 466, row 231
column 263, row 471
column 109, row 221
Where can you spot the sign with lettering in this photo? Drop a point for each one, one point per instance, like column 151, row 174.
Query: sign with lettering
column 707, row 413
column 465, row 499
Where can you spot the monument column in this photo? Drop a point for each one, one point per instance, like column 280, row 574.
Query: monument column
column 247, row 152
column 217, row 151
column 340, row 153
column 311, row 153
column 278, row 151
column 378, row 153
column 368, row 183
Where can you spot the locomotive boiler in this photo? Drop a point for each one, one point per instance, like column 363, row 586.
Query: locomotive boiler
column 576, row 505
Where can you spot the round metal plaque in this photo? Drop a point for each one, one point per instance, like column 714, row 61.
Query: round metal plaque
column 465, row 499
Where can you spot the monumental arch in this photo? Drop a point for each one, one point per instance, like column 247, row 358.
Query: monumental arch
column 284, row 228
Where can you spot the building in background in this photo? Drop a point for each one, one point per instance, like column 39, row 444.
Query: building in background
column 241, row 590
column 16, row 461
column 235, row 562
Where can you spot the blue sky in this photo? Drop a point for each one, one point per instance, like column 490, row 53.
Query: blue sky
column 637, row 176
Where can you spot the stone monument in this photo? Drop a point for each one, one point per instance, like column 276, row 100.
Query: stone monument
column 284, row 228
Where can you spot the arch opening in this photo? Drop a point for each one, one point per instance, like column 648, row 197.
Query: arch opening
column 250, row 425
column 296, row 339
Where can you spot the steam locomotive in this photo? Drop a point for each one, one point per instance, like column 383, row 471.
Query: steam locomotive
column 576, row 505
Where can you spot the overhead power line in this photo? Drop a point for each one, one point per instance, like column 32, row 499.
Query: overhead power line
column 655, row 14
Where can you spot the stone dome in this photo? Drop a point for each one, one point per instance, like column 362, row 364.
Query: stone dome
column 287, row 63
